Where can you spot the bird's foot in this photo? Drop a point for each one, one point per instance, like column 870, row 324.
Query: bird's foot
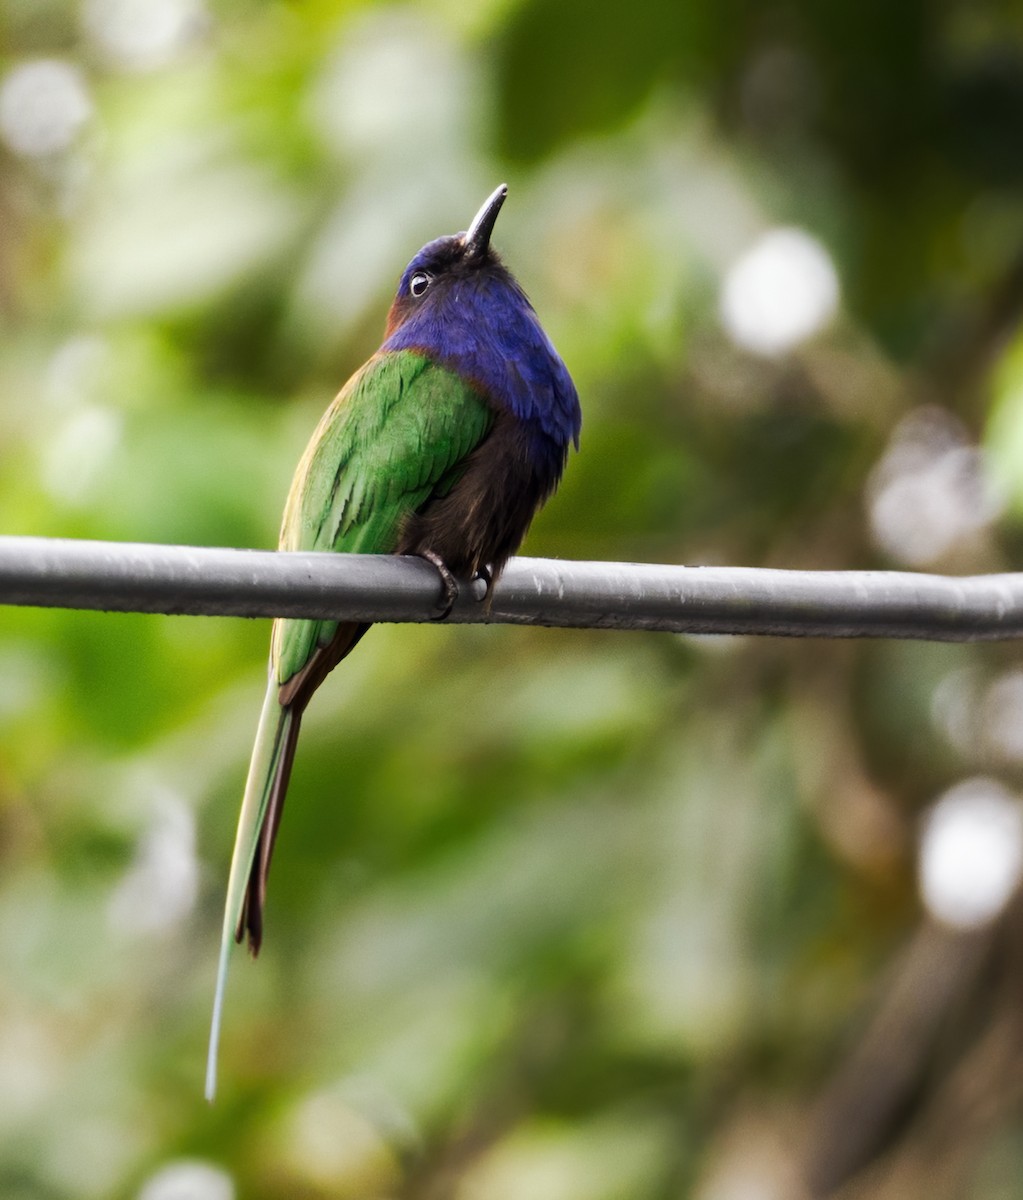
column 483, row 586
column 482, row 582
column 449, row 585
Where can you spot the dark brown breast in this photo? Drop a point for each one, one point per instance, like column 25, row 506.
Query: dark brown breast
column 483, row 519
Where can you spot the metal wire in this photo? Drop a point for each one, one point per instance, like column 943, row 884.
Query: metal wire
column 125, row 577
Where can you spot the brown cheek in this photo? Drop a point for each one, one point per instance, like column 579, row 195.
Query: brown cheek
column 398, row 313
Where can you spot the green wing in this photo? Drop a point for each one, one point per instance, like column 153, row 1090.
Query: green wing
column 397, row 433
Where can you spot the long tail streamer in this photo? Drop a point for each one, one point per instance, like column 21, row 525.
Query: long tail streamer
column 269, row 757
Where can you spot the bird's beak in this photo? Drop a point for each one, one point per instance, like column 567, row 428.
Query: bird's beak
column 477, row 240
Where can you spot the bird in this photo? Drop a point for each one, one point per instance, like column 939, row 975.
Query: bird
column 444, row 444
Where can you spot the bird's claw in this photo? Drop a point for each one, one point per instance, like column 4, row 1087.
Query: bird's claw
column 449, row 585
column 482, row 582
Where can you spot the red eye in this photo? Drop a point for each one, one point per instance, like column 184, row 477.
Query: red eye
column 418, row 284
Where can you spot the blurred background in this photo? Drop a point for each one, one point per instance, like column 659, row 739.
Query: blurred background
column 557, row 915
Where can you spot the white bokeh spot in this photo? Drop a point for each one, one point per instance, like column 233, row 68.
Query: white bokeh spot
column 930, row 491
column 1002, row 716
column 971, row 853
column 161, row 886
column 783, row 290
column 188, row 1179
column 140, row 35
column 43, row 106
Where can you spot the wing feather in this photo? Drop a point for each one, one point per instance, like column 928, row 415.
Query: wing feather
column 394, row 437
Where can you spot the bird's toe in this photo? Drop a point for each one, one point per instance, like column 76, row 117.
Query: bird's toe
column 449, row 585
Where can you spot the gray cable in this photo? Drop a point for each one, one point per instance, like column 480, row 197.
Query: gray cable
column 126, row 577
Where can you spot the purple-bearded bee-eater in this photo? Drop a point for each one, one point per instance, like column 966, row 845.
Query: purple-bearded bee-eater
column 444, row 444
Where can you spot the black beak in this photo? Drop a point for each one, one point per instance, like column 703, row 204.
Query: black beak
column 477, row 240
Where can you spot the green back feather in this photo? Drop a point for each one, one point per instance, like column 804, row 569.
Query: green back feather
column 396, row 435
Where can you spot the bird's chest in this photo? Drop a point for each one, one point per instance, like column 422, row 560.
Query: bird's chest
column 484, row 516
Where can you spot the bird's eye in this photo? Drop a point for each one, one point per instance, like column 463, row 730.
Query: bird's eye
column 419, row 283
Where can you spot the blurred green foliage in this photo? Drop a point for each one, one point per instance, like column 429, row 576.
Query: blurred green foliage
column 554, row 915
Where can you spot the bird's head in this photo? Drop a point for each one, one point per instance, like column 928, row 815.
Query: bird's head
column 431, row 279
column 458, row 305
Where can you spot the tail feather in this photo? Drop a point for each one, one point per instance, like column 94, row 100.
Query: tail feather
column 267, row 782
column 250, row 918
